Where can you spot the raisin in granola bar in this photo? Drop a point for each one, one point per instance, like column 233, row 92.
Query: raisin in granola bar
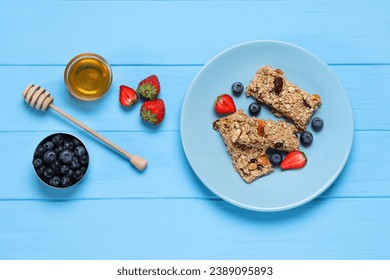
column 247, row 140
column 270, row 87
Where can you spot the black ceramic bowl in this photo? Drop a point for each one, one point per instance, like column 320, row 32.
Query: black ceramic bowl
column 60, row 160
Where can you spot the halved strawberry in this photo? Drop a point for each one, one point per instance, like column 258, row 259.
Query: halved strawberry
column 149, row 87
column 294, row 160
column 224, row 104
column 127, row 96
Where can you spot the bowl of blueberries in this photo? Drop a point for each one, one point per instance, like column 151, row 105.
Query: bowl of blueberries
column 60, row 160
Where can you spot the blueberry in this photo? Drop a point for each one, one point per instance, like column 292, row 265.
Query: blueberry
column 254, row 109
column 60, row 160
column 76, row 142
column 56, row 165
column 49, row 156
column 84, row 159
column 49, row 145
column 48, row 173
column 57, row 140
column 75, row 164
column 77, row 174
column 275, row 158
column 70, row 173
column 64, row 169
column 237, row 88
column 306, row 138
column 66, row 156
column 40, row 151
column 317, row 124
column 79, row 151
column 37, row 162
column 83, row 169
column 40, row 170
column 66, row 181
column 58, row 149
column 68, row 145
column 55, row 181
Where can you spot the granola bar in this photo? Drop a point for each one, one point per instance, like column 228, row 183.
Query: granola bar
column 249, row 162
column 270, row 87
column 259, row 133
column 248, row 139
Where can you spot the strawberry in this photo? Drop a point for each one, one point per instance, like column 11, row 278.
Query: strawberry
column 224, row 104
column 127, row 96
column 294, row 160
column 153, row 111
column 149, row 87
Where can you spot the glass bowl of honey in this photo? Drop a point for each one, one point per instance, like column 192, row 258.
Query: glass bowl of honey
column 88, row 76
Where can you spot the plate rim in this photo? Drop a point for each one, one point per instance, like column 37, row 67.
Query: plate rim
column 320, row 190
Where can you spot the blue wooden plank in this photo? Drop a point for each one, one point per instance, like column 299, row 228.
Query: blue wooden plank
column 103, row 114
column 365, row 86
column 191, row 31
column 168, row 174
column 193, row 229
column 166, row 212
column 109, row 174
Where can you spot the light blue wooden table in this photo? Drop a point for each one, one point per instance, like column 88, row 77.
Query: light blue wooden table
column 166, row 212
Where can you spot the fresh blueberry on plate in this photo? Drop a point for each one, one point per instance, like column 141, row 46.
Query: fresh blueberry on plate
column 237, row 88
column 317, row 123
column 275, row 158
column 306, row 138
column 254, row 109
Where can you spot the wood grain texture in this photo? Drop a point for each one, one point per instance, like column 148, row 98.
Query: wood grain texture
column 202, row 229
column 168, row 174
column 190, row 32
column 364, row 85
column 165, row 212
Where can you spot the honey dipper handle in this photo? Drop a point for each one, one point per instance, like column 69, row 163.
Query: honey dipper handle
column 139, row 162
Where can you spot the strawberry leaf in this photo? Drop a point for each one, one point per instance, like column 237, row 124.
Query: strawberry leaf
column 149, row 116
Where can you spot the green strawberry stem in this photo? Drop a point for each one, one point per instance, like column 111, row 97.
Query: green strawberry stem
column 147, row 91
column 149, row 116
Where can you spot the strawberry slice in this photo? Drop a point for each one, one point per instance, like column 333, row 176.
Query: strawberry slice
column 127, row 96
column 294, row 160
column 224, row 104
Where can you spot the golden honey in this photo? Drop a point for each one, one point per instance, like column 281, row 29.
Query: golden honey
column 88, row 76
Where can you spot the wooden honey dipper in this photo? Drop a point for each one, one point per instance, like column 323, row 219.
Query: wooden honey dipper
column 40, row 99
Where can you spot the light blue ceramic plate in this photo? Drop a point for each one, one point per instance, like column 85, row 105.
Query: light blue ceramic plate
column 206, row 151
